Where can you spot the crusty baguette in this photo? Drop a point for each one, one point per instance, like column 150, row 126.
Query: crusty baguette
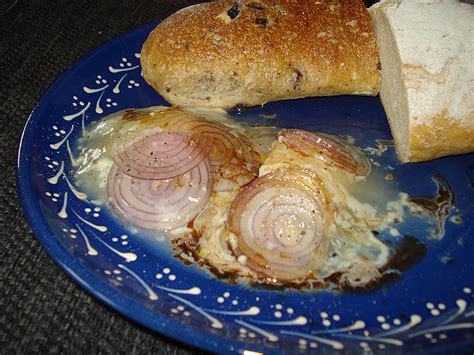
column 427, row 52
column 249, row 52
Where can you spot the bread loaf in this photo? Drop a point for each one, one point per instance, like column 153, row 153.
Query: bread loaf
column 248, row 52
column 427, row 52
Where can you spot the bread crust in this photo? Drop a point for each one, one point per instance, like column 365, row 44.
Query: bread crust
column 225, row 54
column 443, row 136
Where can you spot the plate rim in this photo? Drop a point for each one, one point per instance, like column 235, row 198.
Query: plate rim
column 157, row 322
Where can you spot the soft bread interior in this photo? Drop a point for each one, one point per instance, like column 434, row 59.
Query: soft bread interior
column 393, row 91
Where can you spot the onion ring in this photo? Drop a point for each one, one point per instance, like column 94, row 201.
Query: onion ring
column 160, row 155
column 159, row 204
column 279, row 220
column 233, row 158
column 332, row 150
column 225, row 143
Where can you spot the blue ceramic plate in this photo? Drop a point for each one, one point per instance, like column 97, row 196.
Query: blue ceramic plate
column 430, row 307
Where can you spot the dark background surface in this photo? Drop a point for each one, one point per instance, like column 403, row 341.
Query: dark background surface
column 41, row 309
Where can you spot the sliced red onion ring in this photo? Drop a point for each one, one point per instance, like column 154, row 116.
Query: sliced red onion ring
column 234, row 161
column 225, row 143
column 159, row 204
column 332, row 150
column 161, row 155
column 279, row 220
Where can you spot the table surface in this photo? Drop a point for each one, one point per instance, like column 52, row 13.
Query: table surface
column 41, row 309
